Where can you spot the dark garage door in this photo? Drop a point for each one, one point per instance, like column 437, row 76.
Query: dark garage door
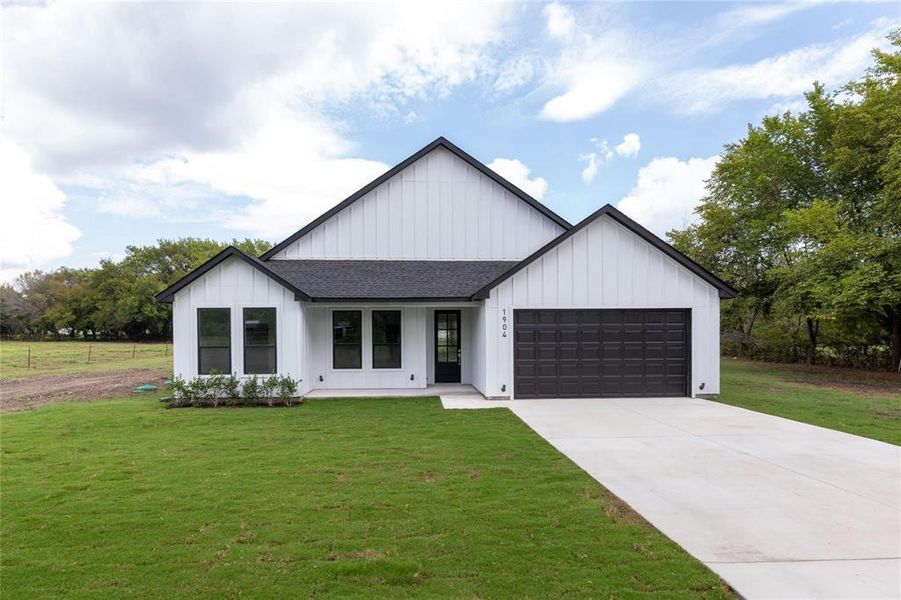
column 596, row 353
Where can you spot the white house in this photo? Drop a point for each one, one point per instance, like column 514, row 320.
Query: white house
column 442, row 271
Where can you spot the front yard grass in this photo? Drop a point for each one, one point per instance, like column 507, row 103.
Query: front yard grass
column 860, row 402
column 52, row 358
column 355, row 497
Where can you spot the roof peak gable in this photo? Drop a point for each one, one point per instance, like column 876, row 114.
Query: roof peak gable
column 439, row 142
column 725, row 290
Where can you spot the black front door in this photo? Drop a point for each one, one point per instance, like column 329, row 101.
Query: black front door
column 447, row 346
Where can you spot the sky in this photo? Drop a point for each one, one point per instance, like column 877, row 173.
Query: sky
column 124, row 123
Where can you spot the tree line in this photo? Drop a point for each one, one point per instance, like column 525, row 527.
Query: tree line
column 803, row 216
column 113, row 301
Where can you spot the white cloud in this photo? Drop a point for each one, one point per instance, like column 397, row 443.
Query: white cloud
column 595, row 160
column 222, row 112
column 517, row 173
column 513, row 74
column 667, row 192
column 630, row 145
column 287, row 174
column 35, row 231
column 603, row 59
column 160, row 78
column 793, row 105
column 591, row 169
column 593, row 86
column 784, row 76
column 560, row 20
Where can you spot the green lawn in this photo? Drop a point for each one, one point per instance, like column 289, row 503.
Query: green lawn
column 358, row 497
column 51, row 358
column 858, row 402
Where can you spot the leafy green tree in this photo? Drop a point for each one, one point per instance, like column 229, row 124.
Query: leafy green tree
column 113, row 300
column 804, row 215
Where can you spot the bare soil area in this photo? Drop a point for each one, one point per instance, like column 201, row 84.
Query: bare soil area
column 27, row 393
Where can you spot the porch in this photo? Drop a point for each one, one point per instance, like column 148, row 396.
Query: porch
column 435, row 389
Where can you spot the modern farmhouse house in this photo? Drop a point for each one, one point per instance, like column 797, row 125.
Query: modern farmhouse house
column 440, row 271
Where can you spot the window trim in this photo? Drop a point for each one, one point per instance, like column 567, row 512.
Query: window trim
column 372, row 343
column 200, row 373
column 244, row 340
column 360, row 345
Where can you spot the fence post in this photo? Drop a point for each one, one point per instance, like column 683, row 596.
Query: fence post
column 89, row 352
column 29, row 358
column 133, row 351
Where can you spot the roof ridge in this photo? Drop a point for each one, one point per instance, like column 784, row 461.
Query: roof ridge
column 439, row 141
column 726, row 290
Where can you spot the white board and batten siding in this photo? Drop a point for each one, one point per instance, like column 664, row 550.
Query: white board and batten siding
column 235, row 285
column 604, row 265
column 440, row 207
column 319, row 350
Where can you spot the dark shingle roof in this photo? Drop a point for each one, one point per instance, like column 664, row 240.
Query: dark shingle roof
column 421, row 280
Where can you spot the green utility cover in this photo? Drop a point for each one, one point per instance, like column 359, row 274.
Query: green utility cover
column 145, row 388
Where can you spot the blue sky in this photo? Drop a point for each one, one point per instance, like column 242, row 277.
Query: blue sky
column 124, row 123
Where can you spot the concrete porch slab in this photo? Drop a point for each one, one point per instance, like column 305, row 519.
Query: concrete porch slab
column 455, row 389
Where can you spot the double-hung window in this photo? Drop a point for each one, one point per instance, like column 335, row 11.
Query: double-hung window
column 214, row 353
column 347, row 339
column 259, row 341
column 386, row 339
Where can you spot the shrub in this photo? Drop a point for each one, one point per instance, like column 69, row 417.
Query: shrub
column 251, row 390
column 268, row 387
column 179, row 388
column 286, row 387
column 198, row 391
column 218, row 389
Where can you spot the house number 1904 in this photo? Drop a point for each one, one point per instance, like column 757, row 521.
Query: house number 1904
column 503, row 322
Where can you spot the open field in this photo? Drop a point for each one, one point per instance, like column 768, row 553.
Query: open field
column 358, row 497
column 53, row 358
column 864, row 403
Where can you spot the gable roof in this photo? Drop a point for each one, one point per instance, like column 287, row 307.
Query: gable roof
column 439, row 142
column 327, row 280
column 726, row 290
column 169, row 293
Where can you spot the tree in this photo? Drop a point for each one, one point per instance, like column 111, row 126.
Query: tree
column 804, row 216
column 113, row 300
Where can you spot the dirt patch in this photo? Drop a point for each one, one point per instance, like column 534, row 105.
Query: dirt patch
column 27, row 393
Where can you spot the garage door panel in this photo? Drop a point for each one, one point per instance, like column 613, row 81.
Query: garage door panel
column 568, row 352
column 567, row 318
column 568, row 336
column 589, row 335
column 547, row 317
column 600, row 352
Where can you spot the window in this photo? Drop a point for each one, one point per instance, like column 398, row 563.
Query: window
column 214, row 354
column 386, row 339
column 347, row 337
column 259, row 341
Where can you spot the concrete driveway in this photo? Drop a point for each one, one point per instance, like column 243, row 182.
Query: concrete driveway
column 777, row 508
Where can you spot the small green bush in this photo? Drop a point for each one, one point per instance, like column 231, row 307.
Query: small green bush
column 218, row 389
column 286, row 388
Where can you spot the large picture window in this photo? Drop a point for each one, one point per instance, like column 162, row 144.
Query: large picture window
column 347, row 339
column 259, row 341
column 386, row 339
column 214, row 354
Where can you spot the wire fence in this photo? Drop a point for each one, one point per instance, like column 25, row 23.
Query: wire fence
column 23, row 355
